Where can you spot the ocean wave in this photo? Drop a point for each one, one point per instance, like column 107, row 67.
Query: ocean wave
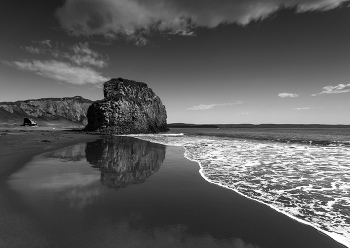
column 308, row 183
column 318, row 137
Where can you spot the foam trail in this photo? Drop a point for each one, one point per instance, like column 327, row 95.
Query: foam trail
column 307, row 183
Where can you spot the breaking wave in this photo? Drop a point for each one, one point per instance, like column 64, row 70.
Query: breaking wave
column 306, row 182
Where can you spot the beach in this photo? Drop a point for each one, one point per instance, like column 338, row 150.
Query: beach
column 18, row 146
column 308, row 183
column 125, row 192
column 173, row 123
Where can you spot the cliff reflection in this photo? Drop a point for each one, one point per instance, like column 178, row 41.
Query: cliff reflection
column 73, row 153
column 124, row 161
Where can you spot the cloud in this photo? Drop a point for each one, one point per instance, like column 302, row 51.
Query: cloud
column 60, row 71
column 40, row 47
column 74, row 65
column 83, row 55
column 44, row 46
column 45, row 42
column 211, row 106
column 289, row 95
column 141, row 42
column 31, row 49
column 80, row 54
column 185, row 33
column 303, row 108
column 129, row 17
column 341, row 88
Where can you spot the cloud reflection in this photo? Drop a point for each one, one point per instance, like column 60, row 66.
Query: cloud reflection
column 131, row 233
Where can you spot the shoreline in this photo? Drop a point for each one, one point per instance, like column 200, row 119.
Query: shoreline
column 19, row 146
column 258, row 135
column 336, row 237
column 175, row 203
column 329, row 234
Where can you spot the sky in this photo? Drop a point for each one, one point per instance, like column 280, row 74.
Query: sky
column 210, row 61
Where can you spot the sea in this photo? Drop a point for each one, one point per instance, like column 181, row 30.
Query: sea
column 303, row 173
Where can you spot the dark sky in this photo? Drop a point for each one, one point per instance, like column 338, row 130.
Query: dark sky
column 258, row 61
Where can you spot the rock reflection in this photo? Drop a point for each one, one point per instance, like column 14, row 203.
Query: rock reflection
column 124, row 161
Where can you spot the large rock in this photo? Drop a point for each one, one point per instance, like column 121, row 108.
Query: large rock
column 128, row 107
column 46, row 110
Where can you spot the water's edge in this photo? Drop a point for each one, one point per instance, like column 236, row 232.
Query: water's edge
column 332, row 235
column 338, row 238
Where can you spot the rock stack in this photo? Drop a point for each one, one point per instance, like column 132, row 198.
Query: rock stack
column 128, row 107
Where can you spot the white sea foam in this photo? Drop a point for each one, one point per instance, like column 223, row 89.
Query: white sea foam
column 310, row 184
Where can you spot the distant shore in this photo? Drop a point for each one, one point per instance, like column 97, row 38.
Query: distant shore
column 187, row 125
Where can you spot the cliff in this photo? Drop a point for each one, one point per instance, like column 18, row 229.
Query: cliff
column 124, row 161
column 127, row 107
column 65, row 110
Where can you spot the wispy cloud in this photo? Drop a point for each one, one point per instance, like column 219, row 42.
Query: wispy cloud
column 44, row 42
column 83, row 55
column 31, row 49
column 61, row 71
column 214, row 105
column 141, row 41
column 287, row 95
column 303, row 108
column 340, row 88
column 75, row 65
column 128, row 18
column 42, row 46
column 185, row 33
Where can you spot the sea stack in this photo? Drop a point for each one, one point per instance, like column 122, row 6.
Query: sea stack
column 128, row 107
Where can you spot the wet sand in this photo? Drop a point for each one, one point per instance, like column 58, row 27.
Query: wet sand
column 18, row 145
column 296, row 180
column 174, row 207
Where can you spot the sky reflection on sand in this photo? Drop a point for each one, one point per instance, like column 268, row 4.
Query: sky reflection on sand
column 61, row 179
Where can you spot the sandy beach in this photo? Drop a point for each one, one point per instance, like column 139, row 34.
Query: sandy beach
column 60, row 201
column 206, row 124
column 18, row 145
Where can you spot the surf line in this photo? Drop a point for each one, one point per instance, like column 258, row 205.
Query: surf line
column 188, row 155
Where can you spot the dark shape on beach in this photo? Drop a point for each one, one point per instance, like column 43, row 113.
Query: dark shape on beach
column 28, row 122
column 128, row 107
column 67, row 111
column 124, row 161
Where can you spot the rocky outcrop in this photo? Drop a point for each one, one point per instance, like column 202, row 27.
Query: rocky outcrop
column 124, row 161
column 70, row 109
column 28, row 122
column 127, row 107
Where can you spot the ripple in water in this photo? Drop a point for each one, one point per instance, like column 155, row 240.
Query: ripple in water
column 308, row 183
